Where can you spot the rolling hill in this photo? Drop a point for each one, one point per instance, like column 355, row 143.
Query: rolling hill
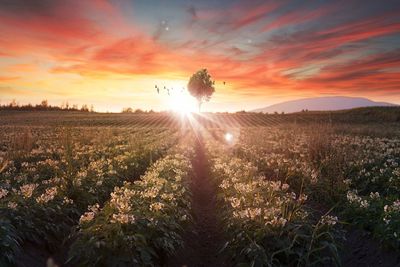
column 321, row 104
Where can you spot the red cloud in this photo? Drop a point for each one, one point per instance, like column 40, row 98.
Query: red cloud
column 247, row 16
column 58, row 28
column 298, row 16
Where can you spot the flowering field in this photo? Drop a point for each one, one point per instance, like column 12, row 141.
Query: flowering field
column 51, row 177
column 291, row 193
column 157, row 194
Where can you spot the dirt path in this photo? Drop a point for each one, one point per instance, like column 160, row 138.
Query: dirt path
column 203, row 242
column 360, row 250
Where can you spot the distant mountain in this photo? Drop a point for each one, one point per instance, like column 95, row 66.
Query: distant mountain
column 322, row 103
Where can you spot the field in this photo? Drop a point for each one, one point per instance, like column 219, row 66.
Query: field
column 159, row 189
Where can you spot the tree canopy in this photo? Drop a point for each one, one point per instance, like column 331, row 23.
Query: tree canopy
column 201, row 86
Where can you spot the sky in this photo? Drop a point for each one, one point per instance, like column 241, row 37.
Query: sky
column 112, row 53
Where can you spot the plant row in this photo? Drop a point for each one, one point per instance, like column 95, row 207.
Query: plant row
column 142, row 223
column 359, row 174
column 267, row 223
column 43, row 192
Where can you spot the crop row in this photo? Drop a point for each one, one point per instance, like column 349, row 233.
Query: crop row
column 267, row 222
column 142, row 223
column 45, row 190
column 358, row 174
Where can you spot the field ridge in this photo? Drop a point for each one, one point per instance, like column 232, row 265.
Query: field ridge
column 204, row 240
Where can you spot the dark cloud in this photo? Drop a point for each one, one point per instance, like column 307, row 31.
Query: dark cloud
column 192, row 12
column 28, row 7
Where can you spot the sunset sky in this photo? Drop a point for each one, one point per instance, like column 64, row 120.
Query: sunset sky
column 112, row 53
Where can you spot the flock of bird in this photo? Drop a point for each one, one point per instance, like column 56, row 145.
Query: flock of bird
column 171, row 89
column 168, row 89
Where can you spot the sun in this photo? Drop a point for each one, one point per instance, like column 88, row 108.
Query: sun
column 179, row 100
column 174, row 96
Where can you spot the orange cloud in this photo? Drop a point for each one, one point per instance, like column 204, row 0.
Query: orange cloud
column 8, row 78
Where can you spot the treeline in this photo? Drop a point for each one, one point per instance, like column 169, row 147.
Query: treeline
column 136, row 111
column 44, row 106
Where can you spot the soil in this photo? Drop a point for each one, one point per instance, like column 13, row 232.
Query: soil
column 360, row 250
column 35, row 255
column 204, row 241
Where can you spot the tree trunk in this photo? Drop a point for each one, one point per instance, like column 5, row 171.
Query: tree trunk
column 200, row 106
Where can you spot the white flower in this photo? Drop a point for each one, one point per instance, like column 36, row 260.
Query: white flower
column 353, row 198
column 47, row 196
column 122, row 218
column 12, row 205
column 235, row 203
column 329, row 220
column 121, row 199
column 364, row 204
column 277, row 221
column 285, row 187
column 3, row 192
column 374, row 195
column 250, row 213
column 89, row 215
column 86, row 217
column 347, row 182
column 396, row 205
column 302, row 198
column 157, row 206
column 27, row 190
column 314, row 177
column 67, row 201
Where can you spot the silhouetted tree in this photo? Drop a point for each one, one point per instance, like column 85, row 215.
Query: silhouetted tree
column 44, row 104
column 13, row 103
column 127, row 110
column 201, row 86
column 84, row 108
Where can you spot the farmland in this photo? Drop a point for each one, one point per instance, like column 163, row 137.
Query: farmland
column 160, row 189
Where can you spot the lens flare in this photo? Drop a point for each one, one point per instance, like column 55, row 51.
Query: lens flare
column 228, row 137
